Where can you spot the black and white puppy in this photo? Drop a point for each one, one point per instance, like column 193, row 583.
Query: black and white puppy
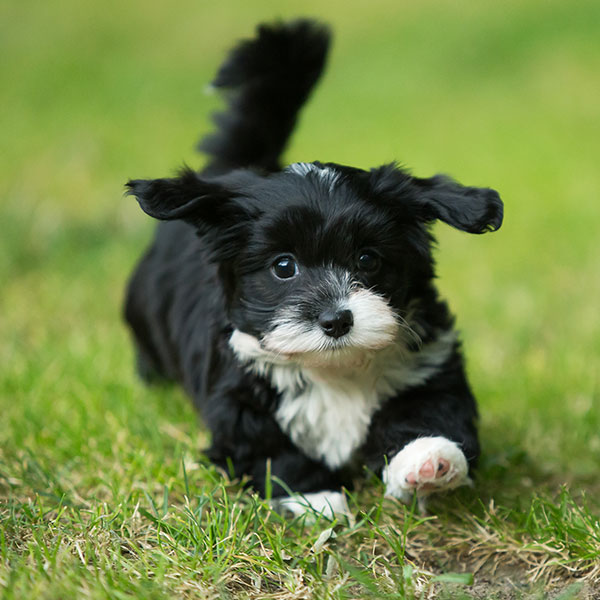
column 297, row 305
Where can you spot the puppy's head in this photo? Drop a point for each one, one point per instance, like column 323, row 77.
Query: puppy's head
column 320, row 262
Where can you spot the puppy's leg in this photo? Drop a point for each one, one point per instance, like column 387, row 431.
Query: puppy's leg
column 426, row 465
column 142, row 312
column 298, row 485
column 327, row 503
column 425, row 440
column 309, row 487
column 251, row 441
column 306, row 486
column 148, row 361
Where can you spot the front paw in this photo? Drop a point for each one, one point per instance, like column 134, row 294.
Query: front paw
column 326, row 503
column 424, row 466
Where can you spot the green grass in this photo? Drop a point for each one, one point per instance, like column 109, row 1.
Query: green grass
column 104, row 492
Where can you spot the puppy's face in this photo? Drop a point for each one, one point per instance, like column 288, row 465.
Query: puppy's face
column 320, row 263
column 324, row 274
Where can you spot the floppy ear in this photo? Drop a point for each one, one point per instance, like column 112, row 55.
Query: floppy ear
column 204, row 204
column 471, row 209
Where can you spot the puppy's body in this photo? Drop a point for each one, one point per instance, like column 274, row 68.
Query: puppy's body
column 297, row 306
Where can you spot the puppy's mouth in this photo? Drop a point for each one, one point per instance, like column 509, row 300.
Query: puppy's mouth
column 333, row 355
column 319, row 343
column 345, row 334
column 342, row 357
column 304, row 342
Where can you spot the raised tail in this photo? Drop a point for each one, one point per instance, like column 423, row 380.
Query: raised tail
column 267, row 79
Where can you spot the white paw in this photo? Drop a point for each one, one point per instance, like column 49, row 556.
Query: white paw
column 326, row 503
column 425, row 465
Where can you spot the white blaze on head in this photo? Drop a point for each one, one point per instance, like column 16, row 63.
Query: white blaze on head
column 328, row 176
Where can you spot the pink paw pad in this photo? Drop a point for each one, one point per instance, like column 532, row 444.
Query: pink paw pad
column 424, row 466
column 428, row 471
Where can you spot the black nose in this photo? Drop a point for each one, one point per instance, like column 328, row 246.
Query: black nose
column 336, row 323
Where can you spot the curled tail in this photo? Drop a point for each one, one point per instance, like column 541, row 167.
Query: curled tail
column 267, row 79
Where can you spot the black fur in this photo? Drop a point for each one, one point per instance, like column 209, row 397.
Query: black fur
column 209, row 270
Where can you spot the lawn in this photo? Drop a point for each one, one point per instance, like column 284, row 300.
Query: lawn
column 104, row 492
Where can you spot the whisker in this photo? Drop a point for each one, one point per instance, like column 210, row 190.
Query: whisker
column 405, row 326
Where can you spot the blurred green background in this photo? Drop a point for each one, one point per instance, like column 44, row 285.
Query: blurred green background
column 505, row 95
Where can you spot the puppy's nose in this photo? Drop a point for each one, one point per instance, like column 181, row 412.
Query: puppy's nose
column 336, row 323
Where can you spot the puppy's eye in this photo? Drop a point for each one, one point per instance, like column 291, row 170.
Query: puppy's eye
column 368, row 261
column 285, row 267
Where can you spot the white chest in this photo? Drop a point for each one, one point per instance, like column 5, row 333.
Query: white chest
column 328, row 419
column 327, row 412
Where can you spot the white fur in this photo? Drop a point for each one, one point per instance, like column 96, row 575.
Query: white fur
column 411, row 458
column 375, row 327
column 326, row 410
column 326, row 503
column 327, row 175
column 329, row 416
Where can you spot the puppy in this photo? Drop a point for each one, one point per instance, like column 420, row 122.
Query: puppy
column 297, row 305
